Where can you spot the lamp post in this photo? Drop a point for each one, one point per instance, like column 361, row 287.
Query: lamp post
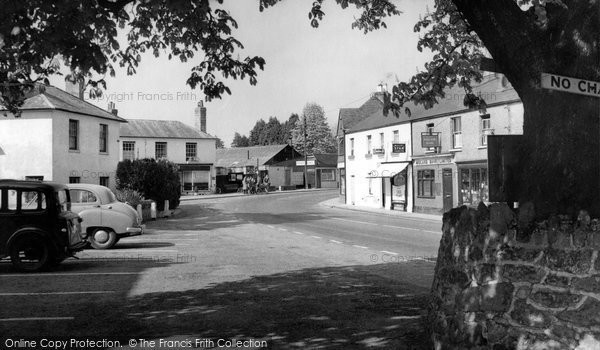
column 305, row 156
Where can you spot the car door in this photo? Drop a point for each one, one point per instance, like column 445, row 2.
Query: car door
column 87, row 204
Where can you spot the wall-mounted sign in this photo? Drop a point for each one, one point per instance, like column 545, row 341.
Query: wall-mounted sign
column 398, row 148
column 308, row 163
column 572, row 85
column 433, row 160
column 429, row 140
column 378, row 151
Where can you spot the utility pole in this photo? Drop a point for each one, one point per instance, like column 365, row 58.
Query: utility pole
column 305, row 155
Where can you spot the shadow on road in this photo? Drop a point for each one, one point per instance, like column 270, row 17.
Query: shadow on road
column 335, row 307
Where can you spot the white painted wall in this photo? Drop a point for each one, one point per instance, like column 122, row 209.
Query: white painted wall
column 87, row 162
column 145, row 148
column 27, row 145
column 364, row 190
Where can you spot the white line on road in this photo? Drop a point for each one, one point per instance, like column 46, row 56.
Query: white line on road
column 334, row 241
column 67, row 274
column 386, row 252
column 270, row 226
column 356, row 221
column 221, row 222
column 60, row 293
column 298, row 232
column 360, row 246
column 282, row 229
column 437, row 232
column 36, row 319
column 317, row 237
column 402, row 227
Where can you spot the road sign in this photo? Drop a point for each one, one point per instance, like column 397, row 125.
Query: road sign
column 572, row 85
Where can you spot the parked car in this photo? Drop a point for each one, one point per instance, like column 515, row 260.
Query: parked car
column 37, row 228
column 105, row 219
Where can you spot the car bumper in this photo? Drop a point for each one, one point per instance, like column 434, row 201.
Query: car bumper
column 135, row 231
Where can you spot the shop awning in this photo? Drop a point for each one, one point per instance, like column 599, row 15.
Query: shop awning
column 387, row 169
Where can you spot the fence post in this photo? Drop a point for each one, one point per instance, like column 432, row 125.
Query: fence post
column 138, row 208
column 166, row 211
column 153, row 210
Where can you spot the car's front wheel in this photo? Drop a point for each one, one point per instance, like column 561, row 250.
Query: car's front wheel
column 103, row 238
column 30, row 253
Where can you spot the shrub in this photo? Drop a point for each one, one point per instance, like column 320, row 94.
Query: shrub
column 129, row 196
column 156, row 180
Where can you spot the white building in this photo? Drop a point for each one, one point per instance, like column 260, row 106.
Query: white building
column 378, row 163
column 59, row 137
column 193, row 150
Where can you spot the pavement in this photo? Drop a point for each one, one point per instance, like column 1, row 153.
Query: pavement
column 339, row 203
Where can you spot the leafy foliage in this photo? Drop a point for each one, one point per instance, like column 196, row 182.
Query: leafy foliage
column 240, row 141
column 219, row 143
column 37, row 36
column 156, row 180
column 129, row 196
column 319, row 138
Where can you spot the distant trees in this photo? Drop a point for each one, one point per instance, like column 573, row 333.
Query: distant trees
column 319, row 138
column 272, row 132
column 219, row 143
column 240, row 140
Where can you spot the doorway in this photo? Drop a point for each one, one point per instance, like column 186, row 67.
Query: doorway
column 447, row 190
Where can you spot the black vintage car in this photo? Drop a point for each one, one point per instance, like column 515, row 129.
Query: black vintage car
column 37, row 228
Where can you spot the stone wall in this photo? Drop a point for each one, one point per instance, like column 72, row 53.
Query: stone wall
column 502, row 282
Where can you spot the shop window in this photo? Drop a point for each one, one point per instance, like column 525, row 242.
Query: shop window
column 328, row 175
column 425, row 181
column 474, row 186
column 456, row 132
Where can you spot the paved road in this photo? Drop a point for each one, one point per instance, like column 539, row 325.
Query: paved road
column 277, row 267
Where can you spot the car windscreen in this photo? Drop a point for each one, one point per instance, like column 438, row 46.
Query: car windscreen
column 63, row 203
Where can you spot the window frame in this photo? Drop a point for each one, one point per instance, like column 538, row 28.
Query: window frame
column 156, row 146
column 369, row 144
column 352, row 147
column 104, row 181
column 456, row 128
column 483, row 130
column 423, row 181
column 188, row 148
column 128, row 143
column 73, row 135
column 103, row 138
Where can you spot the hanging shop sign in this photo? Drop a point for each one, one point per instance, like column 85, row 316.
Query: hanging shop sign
column 572, row 85
column 429, row 140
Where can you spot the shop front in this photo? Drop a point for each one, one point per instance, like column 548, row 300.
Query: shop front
column 195, row 177
column 434, row 179
column 474, row 185
column 396, row 186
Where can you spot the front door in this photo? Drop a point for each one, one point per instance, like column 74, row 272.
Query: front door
column 447, row 189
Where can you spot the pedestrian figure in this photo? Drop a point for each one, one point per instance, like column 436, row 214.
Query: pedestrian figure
column 245, row 184
column 267, row 182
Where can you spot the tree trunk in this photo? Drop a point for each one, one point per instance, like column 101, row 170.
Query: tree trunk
column 561, row 161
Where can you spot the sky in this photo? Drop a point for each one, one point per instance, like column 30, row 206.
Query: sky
column 334, row 66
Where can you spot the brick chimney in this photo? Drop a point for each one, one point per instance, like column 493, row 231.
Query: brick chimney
column 200, row 117
column 111, row 108
column 75, row 88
